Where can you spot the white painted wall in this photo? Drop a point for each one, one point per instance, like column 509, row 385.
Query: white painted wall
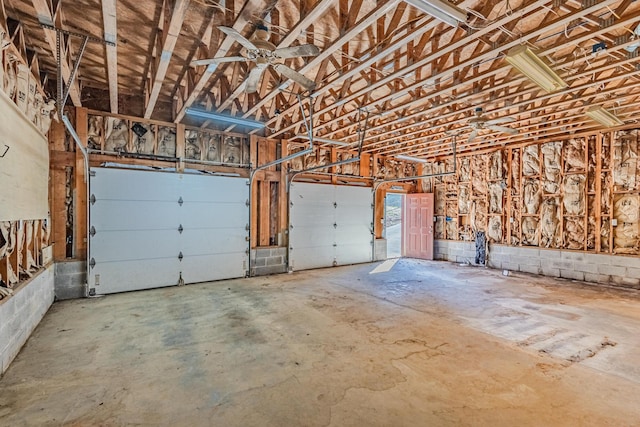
column 22, row 312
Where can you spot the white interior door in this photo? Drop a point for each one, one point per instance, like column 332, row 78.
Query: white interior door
column 329, row 225
column 150, row 229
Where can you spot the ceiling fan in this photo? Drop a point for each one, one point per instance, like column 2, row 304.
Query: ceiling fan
column 481, row 122
column 264, row 53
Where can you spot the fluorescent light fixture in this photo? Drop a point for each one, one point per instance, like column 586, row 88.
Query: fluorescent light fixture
column 441, row 9
column 326, row 140
column 528, row 63
column 211, row 115
column 410, row 158
column 603, row 116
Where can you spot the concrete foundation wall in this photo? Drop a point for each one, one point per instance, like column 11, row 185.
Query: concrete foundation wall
column 21, row 313
column 614, row 270
column 70, row 279
column 265, row 261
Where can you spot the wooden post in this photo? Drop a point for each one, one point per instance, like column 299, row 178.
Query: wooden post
column 283, row 197
column 57, row 192
column 180, row 146
column 80, row 188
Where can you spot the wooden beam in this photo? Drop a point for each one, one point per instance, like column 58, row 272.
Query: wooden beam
column 170, row 33
column 45, row 16
column 111, row 35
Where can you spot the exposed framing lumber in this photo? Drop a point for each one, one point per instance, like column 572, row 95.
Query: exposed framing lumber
column 110, row 35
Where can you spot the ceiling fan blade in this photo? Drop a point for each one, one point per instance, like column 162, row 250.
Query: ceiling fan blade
column 238, row 37
column 500, row 121
column 253, row 79
column 295, row 76
column 296, row 51
column 473, row 135
column 503, row 129
column 217, row 60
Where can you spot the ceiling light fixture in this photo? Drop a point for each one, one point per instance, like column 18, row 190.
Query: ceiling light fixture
column 410, row 158
column 603, row 116
column 442, row 10
column 529, row 64
column 224, row 118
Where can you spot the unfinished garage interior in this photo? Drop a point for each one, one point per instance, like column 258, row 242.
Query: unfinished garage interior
column 319, row 212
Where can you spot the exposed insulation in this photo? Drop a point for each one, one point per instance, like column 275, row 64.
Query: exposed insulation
column 605, row 194
column 494, row 229
column 232, row 150
column 574, row 187
column 530, row 231
column 439, row 204
column 605, row 233
column 551, row 167
column 479, row 175
column 464, row 200
column 495, row 166
column 464, row 169
column 531, row 160
column 515, row 172
column 626, row 209
column 606, row 152
column 439, row 231
column 297, row 163
column 116, row 135
column 531, row 195
column 192, row 148
column 427, row 183
column 550, row 223
column 591, row 223
column 451, row 227
column 495, row 197
column 515, row 223
column 451, row 209
column 166, row 141
column 95, row 131
column 593, row 159
column 211, row 147
column 574, row 154
column 625, row 160
column 479, row 211
column 574, row 233
column 144, row 139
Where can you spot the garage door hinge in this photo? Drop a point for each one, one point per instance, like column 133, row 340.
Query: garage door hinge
column 92, row 199
column 180, row 256
column 92, row 231
column 246, row 227
column 92, row 262
column 247, row 202
column 92, row 173
column 180, row 280
column 180, row 201
column 180, row 229
column 335, row 204
column 335, row 225
column 335, row 245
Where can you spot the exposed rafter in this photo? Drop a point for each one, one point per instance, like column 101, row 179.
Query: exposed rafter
column 110, row 34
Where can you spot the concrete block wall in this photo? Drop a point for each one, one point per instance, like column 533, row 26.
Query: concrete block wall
column 380, row 249
column 21, row 313
column 616, row 270
column 267, row 261
column 70, row 279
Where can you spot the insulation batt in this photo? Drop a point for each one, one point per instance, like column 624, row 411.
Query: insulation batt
column 192, row 146
column 495, row 166
column 574, row 233
column 494, row 229
column 478, row 175
column 515, row 173
column 166, row 141
column 452, row 228
column 626, row 234
column 605, row 233
column 573, row 200
column 551, row 159
column 464, row 200
column 211, row 146
column 531, row 160
column 95, row 129
column 232, row 150
column 479, row 215
column 297, row 163
column 495, row 197
column 605, row 195
column 530, row 231
column 549, row 224
column 625, row 160
column 531, row 195
column 464, row 171
column 574, row 153
column 144, row 144
column 116, row 135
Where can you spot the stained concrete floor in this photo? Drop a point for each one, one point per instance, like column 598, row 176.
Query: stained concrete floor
column 424, row 344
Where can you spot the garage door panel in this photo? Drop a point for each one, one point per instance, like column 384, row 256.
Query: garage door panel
column 204, row 268
column 123, row 276
column 208, row 215
column 307, row 258
column 140, row 245
column 138, row 215
column 134, row 214
column 126, row 184
column 353, row 253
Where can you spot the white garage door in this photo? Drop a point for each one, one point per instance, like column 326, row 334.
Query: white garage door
column 150, row 229
column 329, row 225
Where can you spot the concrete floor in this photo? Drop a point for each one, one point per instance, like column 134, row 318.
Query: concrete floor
column 424, row 343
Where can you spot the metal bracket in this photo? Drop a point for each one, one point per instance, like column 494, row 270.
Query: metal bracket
column 180, row 256
column 180, row 201
column 6, row 150
column 180, row 229
column 92, row 199
column 92, row 231
column 92, row 263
